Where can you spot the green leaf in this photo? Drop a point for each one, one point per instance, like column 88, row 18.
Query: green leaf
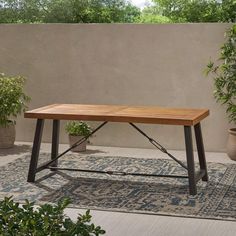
column 47, row 219
column 78, row 128
column 224, row 74
column 13, row 100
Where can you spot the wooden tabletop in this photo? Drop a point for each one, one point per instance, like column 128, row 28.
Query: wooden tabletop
column 114, row 113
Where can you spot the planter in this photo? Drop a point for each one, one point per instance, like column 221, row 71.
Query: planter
column 231, row 144
column 73, row 139
column 7, row 136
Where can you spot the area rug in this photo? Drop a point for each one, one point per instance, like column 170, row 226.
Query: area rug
column 151, row 195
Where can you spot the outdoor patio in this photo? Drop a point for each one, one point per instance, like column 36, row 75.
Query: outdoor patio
column 139, row 65
column 117, row 223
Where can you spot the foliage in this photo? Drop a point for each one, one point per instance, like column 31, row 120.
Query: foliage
column 28, row 220
column 12, row 97
column 224, row 75
column 112, row 11
column 78, row 128
column 196, row 10
column 152, row 15
column 150, row 18
column 67, row 11
column 189, row 11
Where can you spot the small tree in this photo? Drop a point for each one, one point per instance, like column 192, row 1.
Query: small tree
column 224, row 75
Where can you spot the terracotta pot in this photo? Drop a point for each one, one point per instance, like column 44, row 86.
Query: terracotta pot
column 74, row 139
column 231, row 144
column 7, row 136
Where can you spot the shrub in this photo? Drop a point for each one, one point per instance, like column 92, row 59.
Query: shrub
column 12, row 98
column 47, row 219
column 224, row 75
column 78, row 128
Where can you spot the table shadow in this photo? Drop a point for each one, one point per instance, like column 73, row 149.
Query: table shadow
column 15, row 150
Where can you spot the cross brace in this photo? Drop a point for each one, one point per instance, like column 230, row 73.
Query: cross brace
column 46, row 164
column 193, row 176
column 159, row 146
column 151, row 140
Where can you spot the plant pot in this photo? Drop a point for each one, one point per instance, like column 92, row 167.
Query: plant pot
column 7, row 136
column 81, row 147
column 231, row 144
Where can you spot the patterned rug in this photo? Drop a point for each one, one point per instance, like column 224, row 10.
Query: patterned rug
column 151, row 195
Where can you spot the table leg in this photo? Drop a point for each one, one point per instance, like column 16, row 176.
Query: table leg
column 190, row 160
column 35, row 150
column 201, row 151
column 55, row 141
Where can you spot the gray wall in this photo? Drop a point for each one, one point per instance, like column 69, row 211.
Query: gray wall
column 118, row 64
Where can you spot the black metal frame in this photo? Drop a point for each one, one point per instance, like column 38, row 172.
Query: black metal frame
column 193, row 176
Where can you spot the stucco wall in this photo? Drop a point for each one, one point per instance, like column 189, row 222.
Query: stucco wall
column 118, row 64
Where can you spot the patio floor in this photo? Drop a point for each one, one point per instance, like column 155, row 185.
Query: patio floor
column 129, row 224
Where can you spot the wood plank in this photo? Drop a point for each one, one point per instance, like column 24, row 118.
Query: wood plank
column 116, row 113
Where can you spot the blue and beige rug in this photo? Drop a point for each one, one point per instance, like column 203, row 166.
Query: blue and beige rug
column 151, row 195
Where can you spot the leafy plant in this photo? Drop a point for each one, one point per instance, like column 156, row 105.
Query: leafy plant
column 78, row 128
column 151, row 18
column 224, row 74
column 12, row 97
column 196, row 10
column 47, row 219
column 67, row 11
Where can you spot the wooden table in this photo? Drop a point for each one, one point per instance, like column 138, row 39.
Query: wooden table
column 130, row 114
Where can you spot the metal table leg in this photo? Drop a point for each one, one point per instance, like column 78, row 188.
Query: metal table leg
column 55, row 141
column 190, row 160
column 35, row 150
column 201, row 151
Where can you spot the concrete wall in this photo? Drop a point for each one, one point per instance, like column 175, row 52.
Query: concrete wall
column 118, row 64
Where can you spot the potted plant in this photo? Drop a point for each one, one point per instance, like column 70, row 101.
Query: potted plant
column 77, row 130
column 224, row 75
column 47, row 219
column 12, row 102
